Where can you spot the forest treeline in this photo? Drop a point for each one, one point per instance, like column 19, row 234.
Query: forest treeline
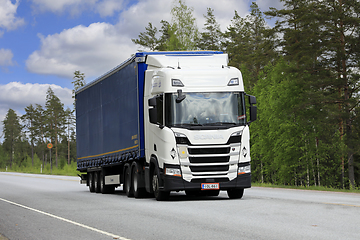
column 26, row 137
column 304, row 72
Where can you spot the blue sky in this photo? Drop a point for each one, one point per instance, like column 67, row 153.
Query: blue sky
column 42, row 42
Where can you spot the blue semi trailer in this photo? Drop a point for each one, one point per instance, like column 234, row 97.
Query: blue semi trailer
column 166, row 121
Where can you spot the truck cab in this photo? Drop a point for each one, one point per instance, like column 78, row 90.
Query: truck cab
column 196, row 126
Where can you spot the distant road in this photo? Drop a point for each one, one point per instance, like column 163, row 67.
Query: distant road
column 58, row 207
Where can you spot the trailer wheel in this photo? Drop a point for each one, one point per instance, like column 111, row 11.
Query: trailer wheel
column 105, row 188
column 127, row 185
column 159, row 195
column 139, row 192
column 235, row 193
column 91, row 182
column 97, row 182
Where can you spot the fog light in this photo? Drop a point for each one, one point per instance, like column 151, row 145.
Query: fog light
column 244, row 169
column 173, row 172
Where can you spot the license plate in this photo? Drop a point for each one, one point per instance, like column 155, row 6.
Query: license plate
column 210, row 186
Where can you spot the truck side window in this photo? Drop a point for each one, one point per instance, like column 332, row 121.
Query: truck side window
column 159, row 107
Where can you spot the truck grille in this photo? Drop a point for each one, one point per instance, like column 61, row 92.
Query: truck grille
column 205, row 163
column 209, row 160
column 222, row 168
column 215, row 150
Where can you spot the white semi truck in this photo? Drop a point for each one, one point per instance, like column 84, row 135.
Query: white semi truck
column 166, row 121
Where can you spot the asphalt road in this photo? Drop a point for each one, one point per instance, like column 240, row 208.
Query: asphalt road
column 58, row 207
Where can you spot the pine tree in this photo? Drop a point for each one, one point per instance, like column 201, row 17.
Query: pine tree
column 250, row 44
column 148, row 38
column 212, row 37
column 55, row 120
column 79, row 81
column 29, row 123
column 70, row 128
column 12, row 133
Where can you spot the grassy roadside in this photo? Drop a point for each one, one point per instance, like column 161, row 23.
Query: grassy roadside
column 66, row 170
column 2, row 237
column 314, row 188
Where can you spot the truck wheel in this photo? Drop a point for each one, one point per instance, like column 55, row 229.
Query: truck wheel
column 127, row 186
column 91, row 182
column 235, row 193
column 159, row 195
column 97, row 182
column 105, row 188
column 138, row 191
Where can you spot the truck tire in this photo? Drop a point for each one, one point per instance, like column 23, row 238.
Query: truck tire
column 97, row 182
column 236, row 193
column 104, row 189
column 159, row 195
column 91, row 182
column 127, row 185
column 139, row 192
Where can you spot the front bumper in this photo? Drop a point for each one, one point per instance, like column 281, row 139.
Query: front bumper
column 172, row 183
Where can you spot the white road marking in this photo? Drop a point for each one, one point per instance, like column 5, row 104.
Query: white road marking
column 67, row 220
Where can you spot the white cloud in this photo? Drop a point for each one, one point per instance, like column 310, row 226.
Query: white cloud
column 264, row 5
column 97, row 48
column 6, row 56
column 17, row 96
column 75, row 7
column 109, row 7
column 8, row 18
column 93, row 50
column 59, row 6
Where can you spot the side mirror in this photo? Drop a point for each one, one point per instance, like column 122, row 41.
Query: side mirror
column 152, row 102
column 153, row 110
column 153, row 115
column 154, row 118
column 253, row 113
column 252, row 100
column 252, row 108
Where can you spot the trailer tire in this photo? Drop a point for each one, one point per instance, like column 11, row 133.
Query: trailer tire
column 104, row 189
column 97, row 182
column 159, row 195
column 127, row 185
column 236, row 193
column 91, row 182
column 139, row 192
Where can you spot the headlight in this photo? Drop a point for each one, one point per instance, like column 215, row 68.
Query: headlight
column 236, row 134
column 179, row 135
column 244, row 169
column 173, row 172
column 181, row 139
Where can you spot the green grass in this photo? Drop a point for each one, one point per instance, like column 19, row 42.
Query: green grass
column 316, row 188
column 27, row 167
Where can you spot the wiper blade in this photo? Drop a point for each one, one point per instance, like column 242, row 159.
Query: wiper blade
column 186, row 124
column 220, row 123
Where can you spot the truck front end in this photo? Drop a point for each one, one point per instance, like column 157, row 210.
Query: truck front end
column 197, row 129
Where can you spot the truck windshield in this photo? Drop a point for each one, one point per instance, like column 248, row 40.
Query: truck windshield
column 220, row 110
